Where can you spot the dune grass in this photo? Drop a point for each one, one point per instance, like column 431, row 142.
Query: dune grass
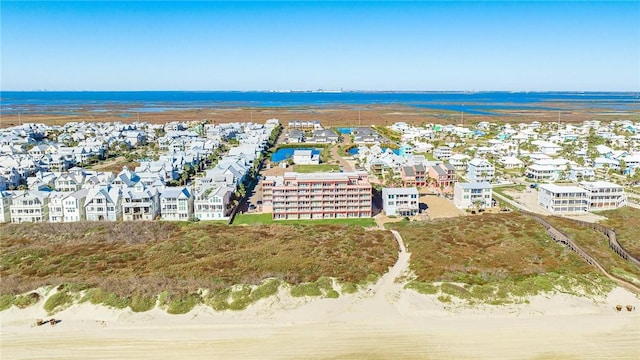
column 495, row 256
column 133, row 267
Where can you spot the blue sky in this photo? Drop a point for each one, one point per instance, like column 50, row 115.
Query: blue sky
column 451, row 45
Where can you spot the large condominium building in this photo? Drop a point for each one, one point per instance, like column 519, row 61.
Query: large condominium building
column 562, row 199
column 603, row 195
column 589, row 196
column 317, row 195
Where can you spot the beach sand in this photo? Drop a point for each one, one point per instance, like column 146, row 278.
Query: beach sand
column 382, row 322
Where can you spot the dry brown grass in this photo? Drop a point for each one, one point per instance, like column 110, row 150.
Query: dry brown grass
column 338, row 115
column 484, row 249
column 150, row 257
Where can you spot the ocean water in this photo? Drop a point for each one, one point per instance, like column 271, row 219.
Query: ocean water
column 12, row 102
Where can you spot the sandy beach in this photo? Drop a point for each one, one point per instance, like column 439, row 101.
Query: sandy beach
column 382, row 322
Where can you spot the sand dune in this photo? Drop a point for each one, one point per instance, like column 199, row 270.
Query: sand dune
column 386, row 322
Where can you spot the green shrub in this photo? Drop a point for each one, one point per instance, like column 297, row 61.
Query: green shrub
column 444, row 299
column 115, row 301
column 142, row 303
column 332, row 294
column 6, row 301
column 266, row 289
column 183, row 303
column 58, row 301
column 422, row 288
column 163, row 298
column 240, row 299
column 306, row 289
column 325, row 283
column 455, row 290
column 94, row 296
column 220, row 300
column 23, row 301
column 349, row 288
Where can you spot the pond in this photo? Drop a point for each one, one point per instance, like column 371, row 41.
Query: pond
column 345, row 130
column 287, row 153
column 354, row 151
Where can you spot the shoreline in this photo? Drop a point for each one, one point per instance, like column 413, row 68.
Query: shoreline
column 390, row 323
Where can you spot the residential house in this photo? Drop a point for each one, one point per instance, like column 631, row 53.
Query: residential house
column 603, row 195
column 73, row 206
column 480, row 170
column 472, row 195
column 139, row 203
column 414, row 175
column 5, row 204
column 212, row 203
column 306, row 157
column 511, row 162
column 104, row 204
column 324, row 136
column 443, row 175
column 176, row 204
column 56, row 213
column 459, row 161
column 442, row 153
column 400, row 201
column 29, row 206
column 562, row 199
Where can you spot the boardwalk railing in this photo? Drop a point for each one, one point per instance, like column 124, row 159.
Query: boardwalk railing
column 559, row 236
column 613, row 241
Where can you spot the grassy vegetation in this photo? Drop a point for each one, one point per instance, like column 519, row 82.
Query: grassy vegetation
column 597, row 245
column 495, row 255
column 388, row 133
column 58, row 302
column 625, row 221
column 133, row 266
column 316, row 168
column 501, row 190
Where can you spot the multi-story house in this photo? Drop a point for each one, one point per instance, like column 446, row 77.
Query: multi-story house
column 480, row 170
column 56, row 213
column 69, row 182
column 603, row 195
column 212, row 202
column 29, row 206
column 317, row 195
column 472, row 195
column 139, row 203
column 442, row 152
column 443, row 175
column 400, row 201
column 73, row 208
column 103, row 204
column 5, row 202
column 176, row 203
column 562, row 199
